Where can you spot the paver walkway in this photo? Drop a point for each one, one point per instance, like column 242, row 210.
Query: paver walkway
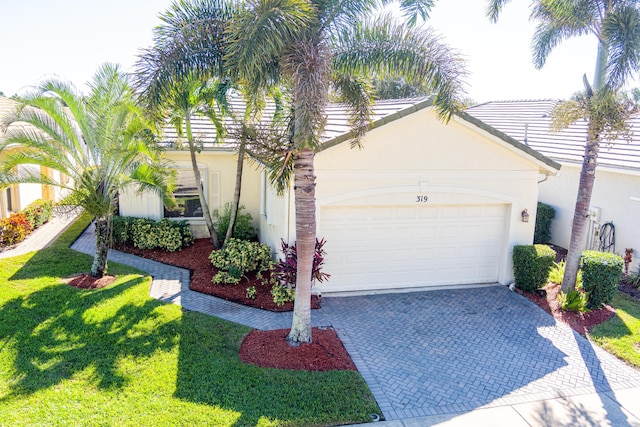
column 431, row 356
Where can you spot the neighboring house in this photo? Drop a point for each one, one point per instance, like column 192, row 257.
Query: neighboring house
column 422, row 205
column 18, row 196
column 616, row 192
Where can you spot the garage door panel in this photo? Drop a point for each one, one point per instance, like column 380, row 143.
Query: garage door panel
column 403, row 246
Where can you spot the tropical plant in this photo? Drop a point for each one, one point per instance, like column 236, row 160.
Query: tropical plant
column 186, row 98
column 100, row 142
column 314, row 48
column 287, row 269
column 243, row 229
column 616, row 25
column 574, row 300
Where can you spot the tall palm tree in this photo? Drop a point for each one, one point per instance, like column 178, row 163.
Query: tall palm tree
column 188, row 97
column 332, row 48
column 318, row 49
column 616, row 25
column 100, row 142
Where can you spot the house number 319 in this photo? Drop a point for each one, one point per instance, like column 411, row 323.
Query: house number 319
column 422, row 199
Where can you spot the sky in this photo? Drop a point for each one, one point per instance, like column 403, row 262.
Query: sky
column 70, row 39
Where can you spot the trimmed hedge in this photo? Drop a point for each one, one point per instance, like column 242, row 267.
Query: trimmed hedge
column 544, row 217
column 531, row 266
column 601, row 273
column 144, row 233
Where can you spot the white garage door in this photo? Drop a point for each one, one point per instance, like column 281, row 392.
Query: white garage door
column 385, row 247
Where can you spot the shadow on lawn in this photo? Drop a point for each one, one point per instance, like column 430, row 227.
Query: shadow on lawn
column 52, row 345
column 211, row 373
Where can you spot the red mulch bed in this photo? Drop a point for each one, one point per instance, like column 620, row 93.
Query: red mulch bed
column 269, row 349
column 196, row 259
column 261, row 348
column 85, row 281
column 579, row 322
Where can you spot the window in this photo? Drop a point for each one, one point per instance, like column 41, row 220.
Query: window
column 186, row 195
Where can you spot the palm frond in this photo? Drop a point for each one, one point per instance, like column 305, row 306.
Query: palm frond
column 621, row 32
column 388, row 49
column 356, row 93
column 494, row 7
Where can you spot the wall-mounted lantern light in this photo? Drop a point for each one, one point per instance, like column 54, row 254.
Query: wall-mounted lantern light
column 525, row 216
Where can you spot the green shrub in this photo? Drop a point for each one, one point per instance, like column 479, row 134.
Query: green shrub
column 282, row 294
column 574, row 300
column 531, row 266
column 601, row 272
column 146, row 233
column 544, row 218
column 239, row 258
column 251, row 292
column 14, row 229
column 634, row 278
column 243, row 229
column 168, row 236
column 557, row 273
column 121, row 230
column 143, row 234
column 38, row 212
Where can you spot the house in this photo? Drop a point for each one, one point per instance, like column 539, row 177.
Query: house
column 616, row 193
column 423, row 204
column 16, row 197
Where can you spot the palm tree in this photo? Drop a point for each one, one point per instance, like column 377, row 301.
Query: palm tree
column 100, row 142
column 332, row 48
column 616, row 25
column 187, row 97
column 317, row 50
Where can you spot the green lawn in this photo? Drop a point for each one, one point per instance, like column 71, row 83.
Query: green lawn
column 621, row 334
column 117, row 357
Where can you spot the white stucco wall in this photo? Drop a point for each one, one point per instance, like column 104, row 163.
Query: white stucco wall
column 612, row 194
column 419, row 155
column 220, row 168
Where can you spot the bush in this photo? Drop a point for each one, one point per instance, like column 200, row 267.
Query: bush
column 14, row 229
column 544, row 218
column 38, row 212
column 557, row 273
column 146, row 233
column 239, row 258
column 287, row 268
column 282, row 294
column 143, row 234
column 601, row 272
column 574, row 300
column 531, row 266
column 634, row 278
column 121, row 230
column 243, row 229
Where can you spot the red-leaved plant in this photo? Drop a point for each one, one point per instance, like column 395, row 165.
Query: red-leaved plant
column 286, row 269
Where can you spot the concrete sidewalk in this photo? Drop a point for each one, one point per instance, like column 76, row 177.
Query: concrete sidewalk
column 43, row 236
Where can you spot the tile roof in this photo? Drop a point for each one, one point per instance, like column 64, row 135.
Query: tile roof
column 337, row 125
column 528, row 121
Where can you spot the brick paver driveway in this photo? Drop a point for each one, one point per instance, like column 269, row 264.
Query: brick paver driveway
column 440, row 352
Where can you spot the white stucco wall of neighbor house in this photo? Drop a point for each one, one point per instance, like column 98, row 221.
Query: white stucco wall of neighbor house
column 615, row 198
column 218, row 169
column 418, row 206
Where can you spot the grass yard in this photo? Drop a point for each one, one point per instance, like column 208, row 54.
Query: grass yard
column 114, row 356
column 620, row 335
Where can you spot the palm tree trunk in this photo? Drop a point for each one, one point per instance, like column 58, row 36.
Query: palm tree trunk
column 583, row 201
column 305, row 203
column 99, row 266
column 203, row 200
column 236, row 193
